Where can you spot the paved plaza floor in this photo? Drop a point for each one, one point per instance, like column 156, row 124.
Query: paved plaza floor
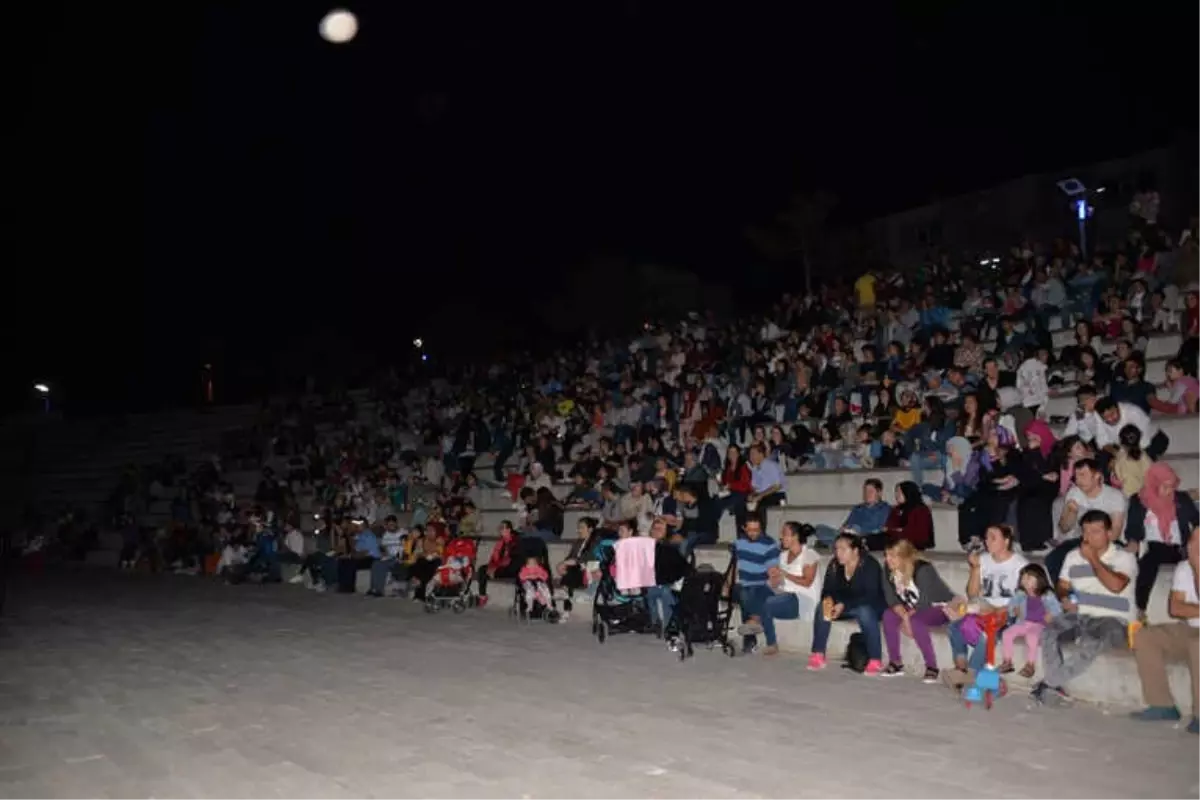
column 169, row 686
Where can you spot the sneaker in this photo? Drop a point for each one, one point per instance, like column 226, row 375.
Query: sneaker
column 770, row 650
column 1157, row 714
column 816, row 662
column 931, row 676
column 874, row 668
column 892, row 670
column 297, row 578
column 318, row 587
column 482, row 601
column 564, row 616
column 1193, row 726
column 749, row 649
column 749, row 629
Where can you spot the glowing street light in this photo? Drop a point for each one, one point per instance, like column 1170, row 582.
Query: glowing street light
column 418, row 343
column 44, row 391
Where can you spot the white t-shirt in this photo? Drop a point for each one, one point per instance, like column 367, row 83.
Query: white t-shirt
column 1110, row 500
column 1154, row 532
column 796, row 567
column 1185, row 583
column 998, row 581
column 1094, row 599
column 392, row 543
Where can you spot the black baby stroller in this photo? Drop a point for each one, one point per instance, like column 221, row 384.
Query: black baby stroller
column 612, row 610
column 704, row 611
column 532, row 547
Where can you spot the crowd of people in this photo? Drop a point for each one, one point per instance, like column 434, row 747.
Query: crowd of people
column 948, row 372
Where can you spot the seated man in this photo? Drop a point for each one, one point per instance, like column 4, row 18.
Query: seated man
column 1096, row 589
column 1113, row 416
column 756, row 555
column 1155, row 644
column 1089, row 493
column 767, row 481
column 698, row 517
column 392, row 545
column 865, row 519
column 361, row 552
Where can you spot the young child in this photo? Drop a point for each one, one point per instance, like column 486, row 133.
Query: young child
column 1130, row 465
column 1032, row 606
column 453, row 571
column 535, row 580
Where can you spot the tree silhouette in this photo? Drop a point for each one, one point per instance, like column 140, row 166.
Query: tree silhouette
column 797, row 233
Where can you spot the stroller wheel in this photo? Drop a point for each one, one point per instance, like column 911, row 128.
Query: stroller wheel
column 602, row 632
column 729, row 649
column 459, row 606
column 682, row 651
column 430, row 608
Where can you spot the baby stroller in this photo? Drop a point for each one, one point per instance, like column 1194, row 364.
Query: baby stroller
column 532, row 547
column 451, row 586
column 613, row 611
column 704, row 611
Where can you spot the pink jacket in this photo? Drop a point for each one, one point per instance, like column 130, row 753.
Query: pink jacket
column 635, row 563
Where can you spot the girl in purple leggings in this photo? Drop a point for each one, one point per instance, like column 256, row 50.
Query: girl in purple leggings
column 914, row 592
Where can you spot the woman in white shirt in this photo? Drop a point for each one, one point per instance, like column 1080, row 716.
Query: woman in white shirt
column 795, row 583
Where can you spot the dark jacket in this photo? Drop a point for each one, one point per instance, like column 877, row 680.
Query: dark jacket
column 865, row 588
column 1185, row 513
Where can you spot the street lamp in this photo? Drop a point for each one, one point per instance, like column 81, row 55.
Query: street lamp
column 44, row 391
column 1074, row 189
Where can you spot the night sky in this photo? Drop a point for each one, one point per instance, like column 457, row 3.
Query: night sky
column 213, row 182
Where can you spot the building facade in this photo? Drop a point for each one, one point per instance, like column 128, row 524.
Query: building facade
column 992, row 220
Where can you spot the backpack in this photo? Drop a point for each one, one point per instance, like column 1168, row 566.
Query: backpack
column 856, row 653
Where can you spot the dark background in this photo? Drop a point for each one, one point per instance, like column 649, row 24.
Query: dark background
column 211, row 182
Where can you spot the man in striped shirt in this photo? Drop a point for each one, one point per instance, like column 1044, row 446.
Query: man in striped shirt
column 756, row 554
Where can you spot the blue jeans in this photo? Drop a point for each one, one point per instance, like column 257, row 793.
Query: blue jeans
column 782, row 606
column 379, row 573
column 660, row 597
column 868, row 621
column 752, row 599
column 825, row 534
column 923, row 461
column 958, row 647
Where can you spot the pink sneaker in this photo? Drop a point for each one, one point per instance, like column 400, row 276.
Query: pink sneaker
column 874, row 667
column 816, row 662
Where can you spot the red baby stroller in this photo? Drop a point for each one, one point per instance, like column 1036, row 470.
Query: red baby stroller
column 451, row 585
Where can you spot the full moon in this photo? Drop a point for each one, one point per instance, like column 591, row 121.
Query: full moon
column 339, row 26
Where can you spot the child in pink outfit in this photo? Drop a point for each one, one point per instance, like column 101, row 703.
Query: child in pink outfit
column 535, row 580
column 1031, row 607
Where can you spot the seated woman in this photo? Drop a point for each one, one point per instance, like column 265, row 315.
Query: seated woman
column 993, row 579
column 999, row 486
column 852, row 589
column 794, row 582
column 573, row 571
column 910, row 519
column 426, row 557
column 915, row 596
column 1165, row 519
column 1040, row 479
column 961, row 474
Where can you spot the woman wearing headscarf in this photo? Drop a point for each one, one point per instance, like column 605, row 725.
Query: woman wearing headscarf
column 999, row 485
column 1164, row 518
column 961, row 474
column 1039, row 486
column 910, row 518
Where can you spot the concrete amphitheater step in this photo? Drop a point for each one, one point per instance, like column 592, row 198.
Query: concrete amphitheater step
column 829, row 488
